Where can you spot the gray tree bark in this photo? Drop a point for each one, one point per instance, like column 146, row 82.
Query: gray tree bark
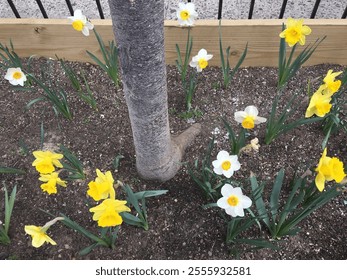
column 139, row 31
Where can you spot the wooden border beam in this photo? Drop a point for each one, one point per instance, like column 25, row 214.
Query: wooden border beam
column 50, row 37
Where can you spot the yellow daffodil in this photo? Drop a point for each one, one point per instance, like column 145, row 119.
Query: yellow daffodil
column 233, row 201
column 46, row 160
column 329, row 169
column 39, row 235
column 225, row 164
column 15, row 76
column 52, row 180
column 200, row 61
column 102, row 187
column 331, row 86
column 107, row 213
column 186, row 14
column 319, row 103
column 249, row 117
column 81, row 23
column 295, row 32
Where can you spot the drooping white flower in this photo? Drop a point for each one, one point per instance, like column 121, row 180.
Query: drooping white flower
column 233, row 201
column 15, row 76
column 81, row 23
column 186, row 14
column 249, row 117
column 226, row 164
column 251, row 147
column 200, row 61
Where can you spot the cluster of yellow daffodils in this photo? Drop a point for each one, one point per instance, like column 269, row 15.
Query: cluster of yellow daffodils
column 45, row 163
column 329, row 169
column 295, row 32
column 233, row 201
column 186, row 14
column 15, row 76
column 249, row 117
column 81, row 23
column 320, row 101
column 39, row 235
column 107, row 212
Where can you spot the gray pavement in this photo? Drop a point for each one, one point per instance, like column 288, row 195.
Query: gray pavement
column 207, row 9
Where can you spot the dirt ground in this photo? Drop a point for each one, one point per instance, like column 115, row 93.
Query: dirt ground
column 179, row 228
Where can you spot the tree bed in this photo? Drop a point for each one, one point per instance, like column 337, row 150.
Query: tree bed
column 179, row 228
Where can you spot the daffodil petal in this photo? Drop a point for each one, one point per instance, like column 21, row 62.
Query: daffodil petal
column 320, row 182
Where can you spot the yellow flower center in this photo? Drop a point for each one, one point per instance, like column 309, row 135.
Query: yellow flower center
column 49, row 187
column 294, row 33
column 337, row 170
column 233, row 200
column 184, row 15
column 226, row 165
column 17, row 75
column 78, row 25
column 248, row 122
column 203, row 63
column 323, row 108
column 334, row 86
column 45, row 166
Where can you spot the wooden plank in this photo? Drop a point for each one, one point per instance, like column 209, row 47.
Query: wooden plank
column 50, row 37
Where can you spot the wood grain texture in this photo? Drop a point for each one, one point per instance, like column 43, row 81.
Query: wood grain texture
column 50, row 37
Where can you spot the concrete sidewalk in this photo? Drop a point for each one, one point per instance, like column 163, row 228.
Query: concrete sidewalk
column 207, row 9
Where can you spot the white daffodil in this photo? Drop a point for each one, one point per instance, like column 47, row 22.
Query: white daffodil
column 249, row 117
column 186, row 14
column 81, row 23
column 233, row 201
column 226, row 164
column 200, row 61
column 15, row 76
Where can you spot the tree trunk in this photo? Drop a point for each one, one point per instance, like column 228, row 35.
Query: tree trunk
column 139, row 31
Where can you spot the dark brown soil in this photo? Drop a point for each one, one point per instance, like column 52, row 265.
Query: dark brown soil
column 179, row 227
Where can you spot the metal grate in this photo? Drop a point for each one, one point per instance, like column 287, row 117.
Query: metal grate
column 42, row 9
column 219, row 15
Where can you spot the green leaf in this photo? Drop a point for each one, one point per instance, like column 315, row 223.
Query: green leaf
column 32, row 102
column 314, row 202
column 232, row 136
column 257, row 243
column 97, row 61
column 275, row 194
column 131, row 219
column 289, row 206
column 132, row 199
column 209, row 205
column 77, row 168
column 4, row 238
column 259, row 202
column 42, row 135
column 237, row 226
column 114, row 234
column 75, row 226
column 241, row 59
column 88, row 249
column 149, row 193
column 9, row 203
column 116, row 161
column 10, row 170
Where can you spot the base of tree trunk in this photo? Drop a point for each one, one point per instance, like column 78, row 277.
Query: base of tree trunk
column 168, row 170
